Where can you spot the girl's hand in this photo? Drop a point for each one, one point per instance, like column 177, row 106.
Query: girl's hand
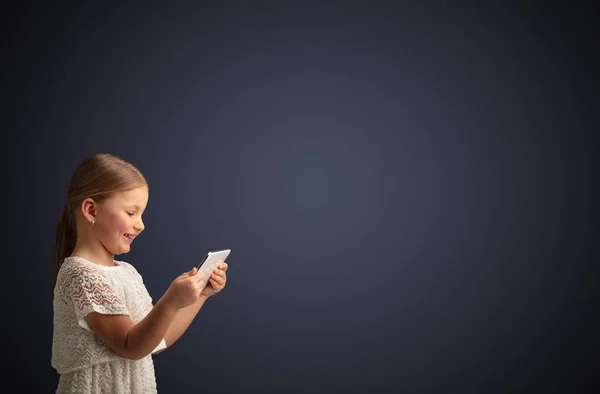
column 185, row 289
column 217, row 281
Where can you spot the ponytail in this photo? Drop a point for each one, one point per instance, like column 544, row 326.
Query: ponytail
column 66, row 237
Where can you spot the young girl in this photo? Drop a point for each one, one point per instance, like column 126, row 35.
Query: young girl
column 105, row 325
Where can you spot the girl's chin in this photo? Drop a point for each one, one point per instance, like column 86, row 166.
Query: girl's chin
column 120, row 249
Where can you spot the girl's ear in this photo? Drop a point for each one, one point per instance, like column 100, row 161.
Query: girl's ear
column 89, row 209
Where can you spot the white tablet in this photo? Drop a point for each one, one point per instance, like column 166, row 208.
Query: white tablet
column 211, row 261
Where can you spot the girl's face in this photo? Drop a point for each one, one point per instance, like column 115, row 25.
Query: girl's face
column 119, row 219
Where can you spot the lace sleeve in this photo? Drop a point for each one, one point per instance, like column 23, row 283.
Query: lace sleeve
column 91, row 291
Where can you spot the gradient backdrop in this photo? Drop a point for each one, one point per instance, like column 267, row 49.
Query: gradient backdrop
column 406, row 189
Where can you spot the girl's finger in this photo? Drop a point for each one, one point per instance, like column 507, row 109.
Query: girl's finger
column 217, row 278
column 216, row 286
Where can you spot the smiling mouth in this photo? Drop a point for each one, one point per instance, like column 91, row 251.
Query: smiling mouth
column 129, row 237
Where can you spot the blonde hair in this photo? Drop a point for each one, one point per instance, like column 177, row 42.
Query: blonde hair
column 97, row 177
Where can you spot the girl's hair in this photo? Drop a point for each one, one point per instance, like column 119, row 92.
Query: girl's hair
column 97, row 177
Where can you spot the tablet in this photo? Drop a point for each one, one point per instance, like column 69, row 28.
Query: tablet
column 211, row 261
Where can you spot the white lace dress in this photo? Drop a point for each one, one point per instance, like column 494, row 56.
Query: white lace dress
column 84, row 362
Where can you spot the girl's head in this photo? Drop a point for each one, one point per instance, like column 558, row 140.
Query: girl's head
column 105, row 201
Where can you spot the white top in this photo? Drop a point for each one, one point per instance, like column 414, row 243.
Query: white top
column 84, row 362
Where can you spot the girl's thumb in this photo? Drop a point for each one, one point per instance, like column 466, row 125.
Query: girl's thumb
column 193, row 271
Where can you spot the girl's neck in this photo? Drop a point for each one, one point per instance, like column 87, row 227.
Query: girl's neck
column 98, row 257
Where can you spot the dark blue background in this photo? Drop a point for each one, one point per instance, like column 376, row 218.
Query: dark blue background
column 406, row 189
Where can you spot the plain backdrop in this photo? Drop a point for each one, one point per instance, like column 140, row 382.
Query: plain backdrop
column 406, row 188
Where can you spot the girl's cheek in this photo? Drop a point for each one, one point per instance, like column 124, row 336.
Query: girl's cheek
column 117, row 223
column 123, row 225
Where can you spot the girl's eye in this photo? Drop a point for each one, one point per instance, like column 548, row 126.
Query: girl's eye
column 130, row 213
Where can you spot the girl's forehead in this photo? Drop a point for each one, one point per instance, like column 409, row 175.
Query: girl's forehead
column 137, row 196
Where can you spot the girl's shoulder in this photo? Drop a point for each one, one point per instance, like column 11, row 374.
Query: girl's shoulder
column 76, row 272
column 75, row 265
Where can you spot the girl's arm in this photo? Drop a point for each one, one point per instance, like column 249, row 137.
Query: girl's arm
column 182, row 321
column 137, row 341
column 186, row 315
column 134, row 341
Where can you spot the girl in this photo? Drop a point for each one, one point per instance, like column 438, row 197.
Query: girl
column 105, row 325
